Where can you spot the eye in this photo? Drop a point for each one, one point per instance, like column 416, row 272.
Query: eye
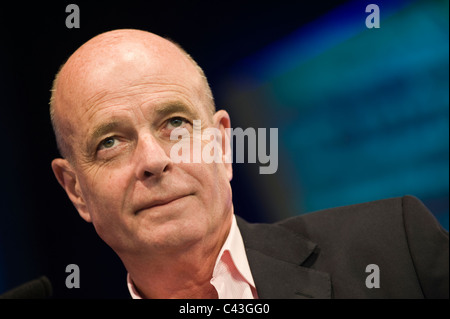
column 107, row 143
column 176, row 122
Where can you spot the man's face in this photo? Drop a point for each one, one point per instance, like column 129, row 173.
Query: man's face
column 125, row 181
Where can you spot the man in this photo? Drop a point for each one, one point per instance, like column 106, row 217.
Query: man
column 115, row 105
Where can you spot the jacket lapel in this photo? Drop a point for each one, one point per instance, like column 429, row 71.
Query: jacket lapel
column 280, row 260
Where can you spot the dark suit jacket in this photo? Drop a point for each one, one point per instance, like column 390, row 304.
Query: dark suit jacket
column 325, row 254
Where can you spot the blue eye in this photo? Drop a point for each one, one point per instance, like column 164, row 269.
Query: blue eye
column 177, row 121
column 107, row 143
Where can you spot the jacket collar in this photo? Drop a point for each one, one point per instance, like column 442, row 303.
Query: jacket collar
column 280, row 259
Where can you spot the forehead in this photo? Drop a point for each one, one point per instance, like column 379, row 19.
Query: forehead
column 137, row 70
column 148, row 101
column 133, row 72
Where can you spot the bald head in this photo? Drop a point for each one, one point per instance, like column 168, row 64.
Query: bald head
column 107, row 64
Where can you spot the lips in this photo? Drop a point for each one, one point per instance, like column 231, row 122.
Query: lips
column 160, row 202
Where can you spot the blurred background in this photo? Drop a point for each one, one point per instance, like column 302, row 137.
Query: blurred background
column 362, row 114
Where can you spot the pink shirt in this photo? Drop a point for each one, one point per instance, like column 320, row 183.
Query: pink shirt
column 232, row 277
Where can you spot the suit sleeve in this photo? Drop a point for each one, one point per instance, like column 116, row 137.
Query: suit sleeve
column 429, row 248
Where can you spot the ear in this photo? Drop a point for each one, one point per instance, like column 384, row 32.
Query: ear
column 67, row 178
column 221, row 120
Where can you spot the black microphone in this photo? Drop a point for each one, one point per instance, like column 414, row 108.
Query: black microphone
column 39, row 288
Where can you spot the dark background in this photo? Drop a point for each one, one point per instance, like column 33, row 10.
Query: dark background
column 41, row 232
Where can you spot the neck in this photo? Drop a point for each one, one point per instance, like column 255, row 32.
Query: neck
column 173, row 279
column 182, row 274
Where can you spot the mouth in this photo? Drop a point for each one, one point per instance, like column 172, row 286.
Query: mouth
column 161, row 202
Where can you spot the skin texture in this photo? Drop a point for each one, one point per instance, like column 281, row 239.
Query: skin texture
column 114, row 104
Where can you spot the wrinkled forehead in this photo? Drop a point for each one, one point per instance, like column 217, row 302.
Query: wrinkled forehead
column 103, row 68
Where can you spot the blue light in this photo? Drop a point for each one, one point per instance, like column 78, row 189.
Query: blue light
column 362, row 113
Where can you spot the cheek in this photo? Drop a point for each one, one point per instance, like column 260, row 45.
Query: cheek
column 213, row 186
column 104, row 194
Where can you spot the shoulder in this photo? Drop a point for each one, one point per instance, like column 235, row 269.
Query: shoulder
column 340, row 227
column 358, row 212
column 385, row 217
column 400, row 235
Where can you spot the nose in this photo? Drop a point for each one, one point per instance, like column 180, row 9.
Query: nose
column 151, row 158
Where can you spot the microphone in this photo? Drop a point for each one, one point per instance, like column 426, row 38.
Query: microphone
column 39, row 288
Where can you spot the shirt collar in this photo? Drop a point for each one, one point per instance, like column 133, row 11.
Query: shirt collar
column 234, row 244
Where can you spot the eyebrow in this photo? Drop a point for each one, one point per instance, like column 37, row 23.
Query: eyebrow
column 174, row 107
column 100, row 131
column 103, row 129
column 160, row 112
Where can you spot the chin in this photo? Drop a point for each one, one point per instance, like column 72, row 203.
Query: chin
column 173, row 234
